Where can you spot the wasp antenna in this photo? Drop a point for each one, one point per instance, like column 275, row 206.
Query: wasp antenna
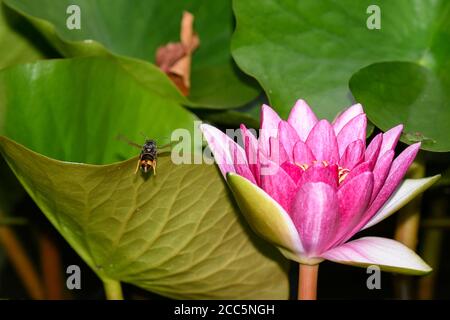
column 143, row 135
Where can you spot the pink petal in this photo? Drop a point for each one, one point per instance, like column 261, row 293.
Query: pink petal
column 408, row 190
column 269, row 127
column 302, row 119
column 373, row 150
column 396, row 173
column 320, row 173
column 220, row 145
column 251, row 151
column 390, row 139
column 352, row 155
column 294, row 171
column 277, row 152
column 388, row 254
column 354, row 197
column 322, row 142
column 267, row 167
column 240, row 163
column 381, row 171
column 288, row 138
column 314, row 211
column 355, row 129
column 347, row 115
column 398, row 170
column 279, row 185
column 302, row 153
column 269, row 118
column 356, row 171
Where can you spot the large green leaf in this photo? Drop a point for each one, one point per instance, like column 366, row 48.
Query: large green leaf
column 309, row 49
column 18, row 44
column 408, row 93
column 248, row 115
column 74, row 109
column 176, row 233
column 137, row 31
column 15, row 46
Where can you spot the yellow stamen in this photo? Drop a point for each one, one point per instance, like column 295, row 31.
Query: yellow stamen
column 303, row 166
column 343, row 172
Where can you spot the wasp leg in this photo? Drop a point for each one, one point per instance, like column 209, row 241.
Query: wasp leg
column 154, row 167
column 137, row 168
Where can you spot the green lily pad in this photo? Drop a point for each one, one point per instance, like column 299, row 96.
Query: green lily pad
column 15, row 46
column 229, row 118
column 177, row 233
column 69, row 109
column 309, row 49
column 407, row 93
column 249, row 115
column 216, row 82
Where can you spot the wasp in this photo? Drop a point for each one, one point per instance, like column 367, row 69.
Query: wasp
column 148, row 155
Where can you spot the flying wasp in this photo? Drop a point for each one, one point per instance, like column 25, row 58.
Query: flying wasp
column 148, row 155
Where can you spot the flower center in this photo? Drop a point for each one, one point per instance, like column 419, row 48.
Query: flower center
column 342, row 172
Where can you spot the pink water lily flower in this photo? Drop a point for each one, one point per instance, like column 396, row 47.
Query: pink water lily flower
column 308, row 186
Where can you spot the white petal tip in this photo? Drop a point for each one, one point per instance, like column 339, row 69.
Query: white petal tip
column 389, row 255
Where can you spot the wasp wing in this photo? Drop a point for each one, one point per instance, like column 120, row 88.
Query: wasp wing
column 131, row 143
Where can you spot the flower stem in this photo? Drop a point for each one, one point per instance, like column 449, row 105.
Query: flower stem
column 113, row 289
column 307, row 281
